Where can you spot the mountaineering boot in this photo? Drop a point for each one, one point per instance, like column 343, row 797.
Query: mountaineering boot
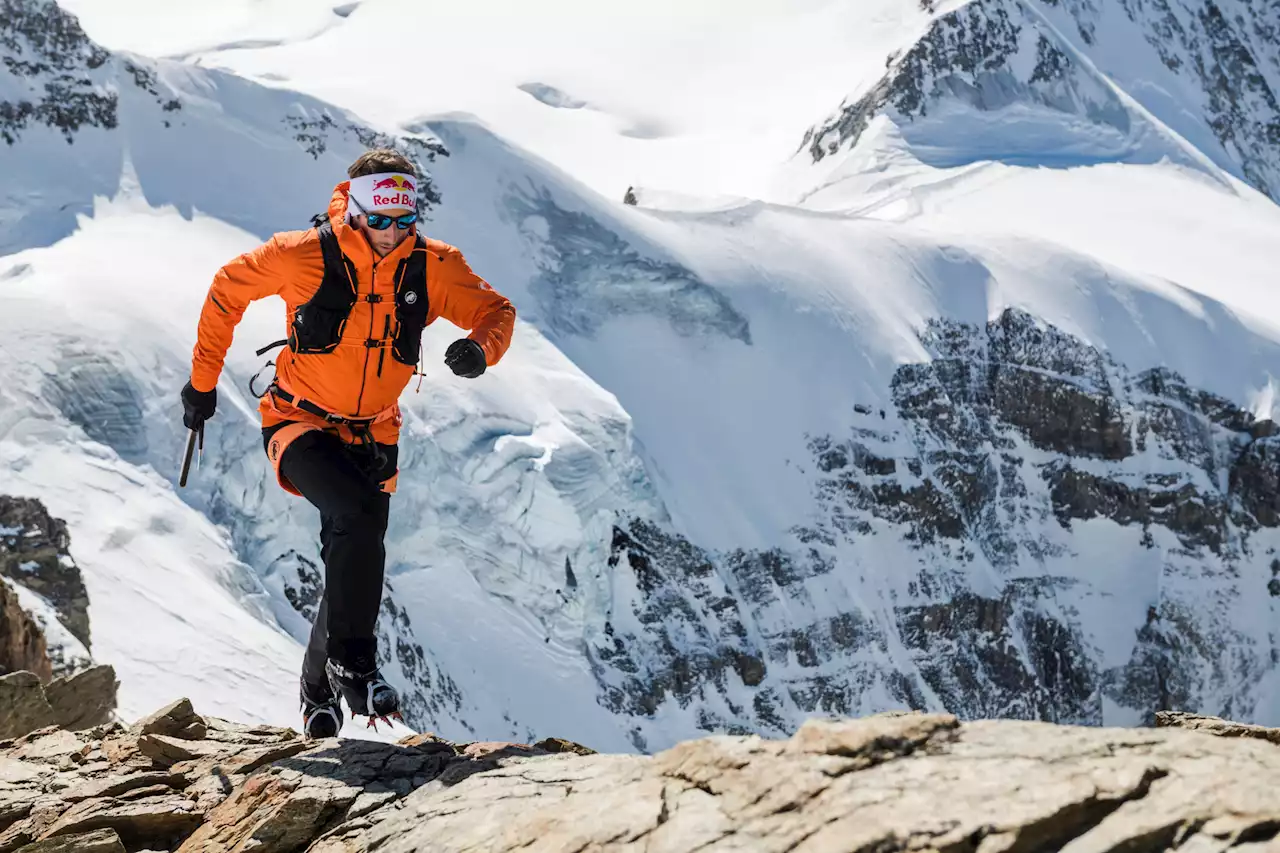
column 321, row 710
column 367, row 694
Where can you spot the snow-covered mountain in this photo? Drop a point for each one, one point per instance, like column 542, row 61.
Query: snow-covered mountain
column 1071, row 82
column 962, row 398
column 1209, row 70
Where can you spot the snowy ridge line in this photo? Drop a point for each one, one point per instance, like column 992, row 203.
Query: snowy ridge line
column 1210, row 168
column 941, row 101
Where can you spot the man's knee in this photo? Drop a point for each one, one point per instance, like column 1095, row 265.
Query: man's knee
column 360, row 514
column 318, row 465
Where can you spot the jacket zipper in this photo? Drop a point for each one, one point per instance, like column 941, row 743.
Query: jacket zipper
column 364, row 374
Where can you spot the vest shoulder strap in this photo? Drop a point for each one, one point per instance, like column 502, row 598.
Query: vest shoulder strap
column 318, row 323
column 338, row 288
column 416, row 264
column 411, row 304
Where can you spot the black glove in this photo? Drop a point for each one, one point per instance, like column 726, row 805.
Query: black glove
column 197, row 406
column 465, row 357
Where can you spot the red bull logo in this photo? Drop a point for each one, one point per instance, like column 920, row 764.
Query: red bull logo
column 394, row 191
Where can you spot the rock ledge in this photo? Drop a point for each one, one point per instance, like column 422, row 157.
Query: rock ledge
column 899, row 781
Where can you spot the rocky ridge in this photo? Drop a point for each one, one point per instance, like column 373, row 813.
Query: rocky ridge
column 177, row 781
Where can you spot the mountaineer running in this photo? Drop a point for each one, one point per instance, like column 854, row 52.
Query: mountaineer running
column 359, row 289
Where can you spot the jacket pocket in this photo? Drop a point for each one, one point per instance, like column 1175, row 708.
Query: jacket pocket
column 316, row 329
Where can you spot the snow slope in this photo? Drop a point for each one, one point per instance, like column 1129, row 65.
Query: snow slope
column 708, row 98
column 905, row 432
column 700, row 97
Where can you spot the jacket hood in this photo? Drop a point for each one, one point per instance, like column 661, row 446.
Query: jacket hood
column 350, row 239
column 338, row 203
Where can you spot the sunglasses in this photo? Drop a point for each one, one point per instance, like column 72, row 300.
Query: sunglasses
column 381, row 222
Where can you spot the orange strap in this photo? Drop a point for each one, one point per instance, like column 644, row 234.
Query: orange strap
column 286, row 435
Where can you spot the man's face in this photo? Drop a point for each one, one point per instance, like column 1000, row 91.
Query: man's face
column 385, row 240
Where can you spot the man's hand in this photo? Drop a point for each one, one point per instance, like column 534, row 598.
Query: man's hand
column 465, row 357
column 197, row 406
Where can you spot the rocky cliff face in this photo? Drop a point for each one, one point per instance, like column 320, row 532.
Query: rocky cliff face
column 22, row 643
column 46, row 674
column 35, row 552
column 1025, row 433
column 1024, row 443
column 180, row 781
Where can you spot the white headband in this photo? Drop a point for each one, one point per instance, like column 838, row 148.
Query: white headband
column 389, row 189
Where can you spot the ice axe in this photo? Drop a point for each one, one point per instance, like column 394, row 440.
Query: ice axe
column 196, row 436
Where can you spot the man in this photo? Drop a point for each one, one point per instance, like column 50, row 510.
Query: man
column 358, row 290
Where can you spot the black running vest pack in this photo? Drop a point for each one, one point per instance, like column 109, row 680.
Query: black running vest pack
column 318, row 323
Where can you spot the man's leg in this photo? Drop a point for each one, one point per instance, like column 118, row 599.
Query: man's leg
column 317, row 646
column 353, row 513
column 318, row 643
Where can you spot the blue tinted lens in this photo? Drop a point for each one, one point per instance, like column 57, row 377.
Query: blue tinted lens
column 380, row 222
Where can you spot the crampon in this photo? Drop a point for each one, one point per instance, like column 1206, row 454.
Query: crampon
column 321, row 711
column 366, row 692
column 386, row 718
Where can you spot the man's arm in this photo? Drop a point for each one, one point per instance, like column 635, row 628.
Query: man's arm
column 254, row 275
column 466, row 300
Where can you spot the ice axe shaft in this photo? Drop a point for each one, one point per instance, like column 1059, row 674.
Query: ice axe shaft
column 197, row 432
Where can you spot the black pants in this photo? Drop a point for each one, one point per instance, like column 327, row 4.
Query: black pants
column 343, row 482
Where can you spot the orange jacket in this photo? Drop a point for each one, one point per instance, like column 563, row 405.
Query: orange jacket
column 349, row 380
